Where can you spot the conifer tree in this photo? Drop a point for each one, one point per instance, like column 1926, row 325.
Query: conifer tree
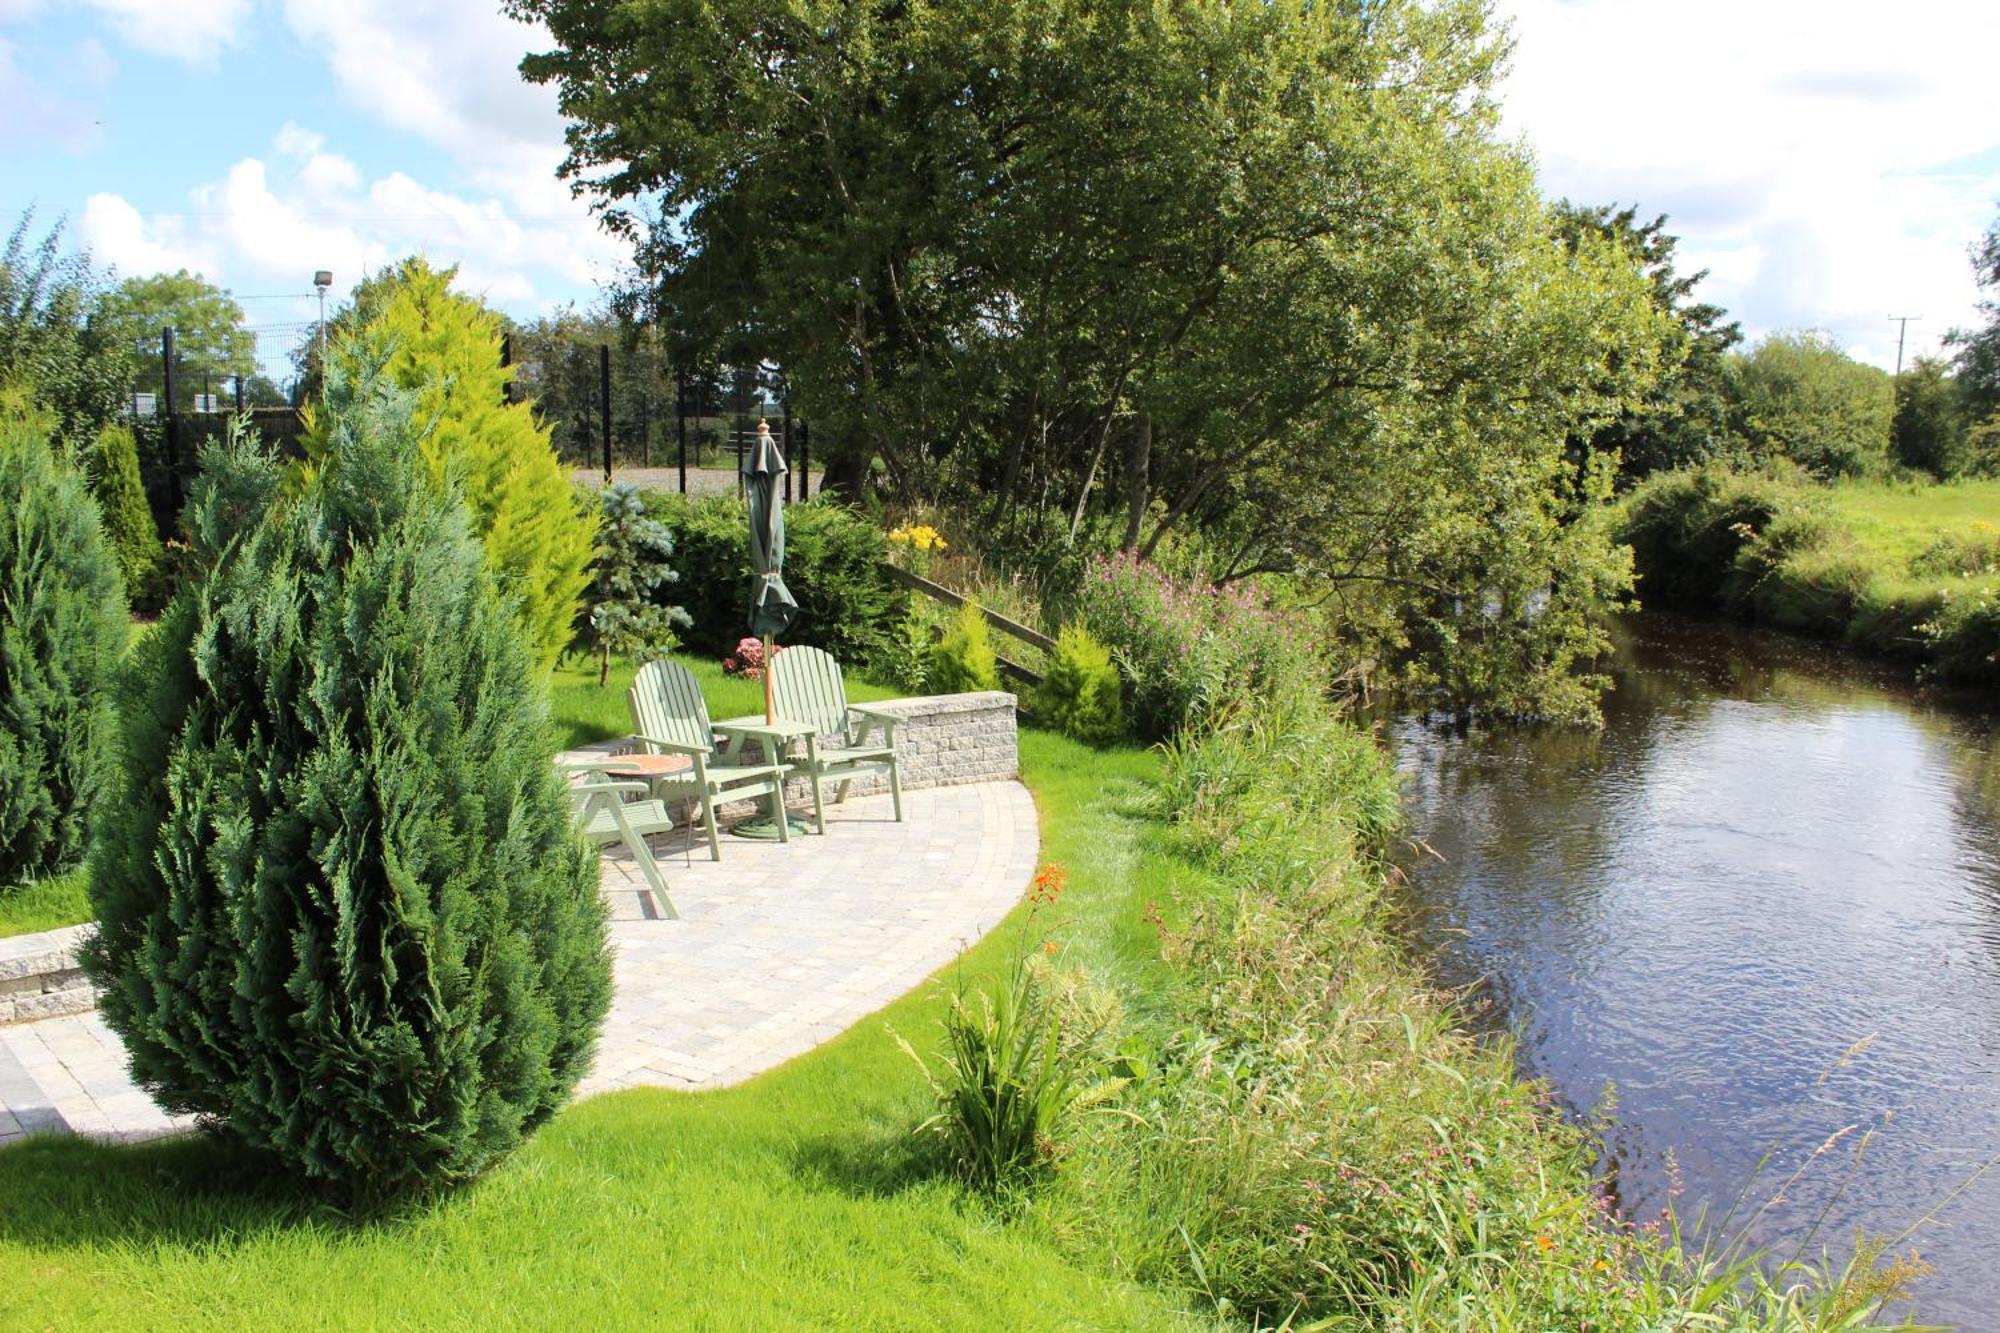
column 128, row 519
column 344, row 915
column 538, row 529
column 62, row 631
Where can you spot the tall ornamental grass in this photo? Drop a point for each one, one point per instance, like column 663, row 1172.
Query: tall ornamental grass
column 344, row 916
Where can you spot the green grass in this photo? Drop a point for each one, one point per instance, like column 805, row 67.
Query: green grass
column 1895, row 523
column 44, row 905
column 793, row 1201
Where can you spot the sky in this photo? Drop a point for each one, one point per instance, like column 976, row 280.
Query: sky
column 1828, row 164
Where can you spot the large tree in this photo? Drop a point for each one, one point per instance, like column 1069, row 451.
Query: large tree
column 1685, row 419
column 1799, row 396
column 1978, row 359
column 1259, row 272
column 55, row 354
column 211, row 342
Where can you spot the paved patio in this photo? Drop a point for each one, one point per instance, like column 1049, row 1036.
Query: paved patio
column 778, row 949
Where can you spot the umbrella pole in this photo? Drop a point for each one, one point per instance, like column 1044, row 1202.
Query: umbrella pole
column 770, row 697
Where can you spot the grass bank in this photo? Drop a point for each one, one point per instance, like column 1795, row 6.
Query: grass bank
column 1910, row 571
column 1304, row 1133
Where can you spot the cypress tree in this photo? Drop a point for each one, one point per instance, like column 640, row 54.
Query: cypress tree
column 62, row 632
column 539, row 531
column 344, row 916
column 128, row 520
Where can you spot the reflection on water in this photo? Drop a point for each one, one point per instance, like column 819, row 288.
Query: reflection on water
column 1764, row 858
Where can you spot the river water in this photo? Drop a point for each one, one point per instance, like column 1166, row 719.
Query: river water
column 1770, row 854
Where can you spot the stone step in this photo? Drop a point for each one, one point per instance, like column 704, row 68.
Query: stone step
column 40, row 978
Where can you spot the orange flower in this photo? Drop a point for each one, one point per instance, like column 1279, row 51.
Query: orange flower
column 1049, row 883
column 1544, row 1242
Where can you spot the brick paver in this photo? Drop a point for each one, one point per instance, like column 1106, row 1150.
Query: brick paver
column 778, row 948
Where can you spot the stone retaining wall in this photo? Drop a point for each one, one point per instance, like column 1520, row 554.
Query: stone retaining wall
column 39, row 977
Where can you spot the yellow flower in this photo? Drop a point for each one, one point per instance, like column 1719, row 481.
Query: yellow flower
column 1544, row 1242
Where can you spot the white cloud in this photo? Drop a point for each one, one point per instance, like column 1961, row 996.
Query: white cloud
column 191, row 30
column 447, row 72
column 272, row 220
column 1829, row 165
column 119, row 236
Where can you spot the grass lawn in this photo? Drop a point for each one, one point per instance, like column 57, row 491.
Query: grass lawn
column 1898, row 522
column 793, row 1201
column 44, row 905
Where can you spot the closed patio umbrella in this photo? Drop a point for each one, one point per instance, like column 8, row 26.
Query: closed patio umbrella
column 772, row 607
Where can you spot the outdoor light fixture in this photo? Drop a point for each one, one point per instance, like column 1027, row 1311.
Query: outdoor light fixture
column 322, row 279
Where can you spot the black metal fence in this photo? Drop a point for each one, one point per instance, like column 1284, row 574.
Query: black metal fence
column 612, row 409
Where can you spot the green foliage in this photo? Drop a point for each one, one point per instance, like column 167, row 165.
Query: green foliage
column 1015, row 1070
column 833, row 565
column 1683, row 420
column 626, row 617
column 906, row 660
column 1885, row 568
column 1080, row 694
column 539, row 534
column 62, row 632
column 52, row 352
column 1978, row 357
column 963, row 660
column 1189, row 651
column 211, row 341
column 1799, row 397
column 343, row 913
column 1250, row 288
column 1928, row 429
column 128, row 519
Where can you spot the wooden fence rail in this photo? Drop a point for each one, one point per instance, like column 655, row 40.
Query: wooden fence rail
column 938, row 592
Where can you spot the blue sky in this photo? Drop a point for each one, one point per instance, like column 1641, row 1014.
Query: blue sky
column 1828, row 163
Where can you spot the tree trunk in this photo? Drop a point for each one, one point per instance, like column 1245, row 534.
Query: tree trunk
column 1138, row 480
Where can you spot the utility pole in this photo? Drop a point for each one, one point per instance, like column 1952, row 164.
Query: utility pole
column 1902, row 323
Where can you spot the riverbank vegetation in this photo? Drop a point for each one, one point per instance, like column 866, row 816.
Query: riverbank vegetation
column 1909, row 570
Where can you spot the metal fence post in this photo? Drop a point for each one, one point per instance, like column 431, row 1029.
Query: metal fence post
column 170, row 429
column 681, row 422
column 786, row 439
column 604, row 402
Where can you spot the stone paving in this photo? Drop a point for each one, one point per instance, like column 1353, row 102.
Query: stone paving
column 778, row 948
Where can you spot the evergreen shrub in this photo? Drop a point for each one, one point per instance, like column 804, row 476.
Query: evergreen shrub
column 128, row 519
column 539, row 532
column 833, row 565
column 63, row 629
column 963, row 660
column 343, row 913
column 1080, row 694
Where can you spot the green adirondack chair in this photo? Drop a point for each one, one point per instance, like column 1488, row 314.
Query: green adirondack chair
column 808, row 687
column 671, row 717
column 605, row 817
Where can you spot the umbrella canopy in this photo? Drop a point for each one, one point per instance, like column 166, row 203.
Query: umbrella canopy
column 772, row 607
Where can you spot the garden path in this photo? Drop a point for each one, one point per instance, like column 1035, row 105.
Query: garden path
column 778, row 949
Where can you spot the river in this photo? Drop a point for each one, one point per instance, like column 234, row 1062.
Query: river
column 1770, row 854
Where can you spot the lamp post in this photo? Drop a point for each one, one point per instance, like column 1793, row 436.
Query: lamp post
column 322, row 279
